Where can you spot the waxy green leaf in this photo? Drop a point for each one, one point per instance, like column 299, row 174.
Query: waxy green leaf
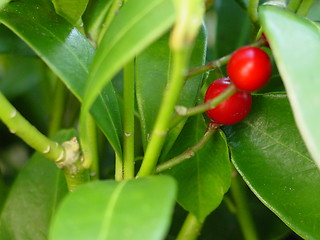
column 22, row 72
column 206, row 177
column 67, row 52
column 295, row 44
column 233, row 27
column 11, row 44
column 34, row 197
column 137, row 25
column 152, row 72
column 110, row 210
column 270, row 155
column 71, row 10
column 94, row 17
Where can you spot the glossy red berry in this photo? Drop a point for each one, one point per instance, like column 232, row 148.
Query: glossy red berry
column 249, row 68
column 232, row 110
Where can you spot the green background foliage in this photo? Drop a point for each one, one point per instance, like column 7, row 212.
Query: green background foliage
column 84, row 46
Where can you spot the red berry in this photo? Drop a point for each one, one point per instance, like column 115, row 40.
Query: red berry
column 249, row 68
column 232, row 110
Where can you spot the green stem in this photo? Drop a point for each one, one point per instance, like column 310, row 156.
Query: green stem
column 119, row 168
column 179, row 61
column 242, row 209
column 92, row 139
column 190, row 229
column 190, row 152
column 218, row 63
column 88, row 139
column 253, row 10
column 304, row 7
column 187, row 112
column 294, row 5
column 75, row 180
column 128, row 121
column 58, row 108
column 116, row 5
column 72, row 166
column 18, row 125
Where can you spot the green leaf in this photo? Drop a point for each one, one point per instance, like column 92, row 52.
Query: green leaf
column 233, row 27
column 109, row 210
column 71, row 10
column 33, row 198
column 138, row 23
column 67, row 53
column 270, row 155
column 205, row 178
column 152, row 69
column 11, row 44
column 295, row 44
column 22, row 72
column 3, row 191
column 94, row 17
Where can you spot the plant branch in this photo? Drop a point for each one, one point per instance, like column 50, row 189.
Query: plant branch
column 72, row 166
column 190, row 152
column 191, row 228
column 88, row 140
column 128, row 123
column 253, row 10
column 294, row 5
column 218, row 63
column 119, row 168
column 18, row 125
column 188, row 22
column 115, row 7
column 180, row 59
column 304, row 7
column 66, row 156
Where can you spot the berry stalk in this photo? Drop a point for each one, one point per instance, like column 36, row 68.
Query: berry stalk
column 219, row 62
column 190, row 152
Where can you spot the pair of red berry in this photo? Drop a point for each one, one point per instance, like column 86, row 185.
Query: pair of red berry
column 249, row 69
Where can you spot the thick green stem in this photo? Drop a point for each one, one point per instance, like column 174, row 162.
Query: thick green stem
column 66, row 156
column 179, row 61
column 58, row 107
column 304, row 7
column 93, row 145
column 218, row 63
column 190, row 152
column 72, row 166
column 128, row 121
column 119, row 168
column 88, row 140
column 294, row 5
column 242, row 209
column 190, row 229
column 253, row 10
column 116, row 5
column 75, row 180
column 18, row 125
